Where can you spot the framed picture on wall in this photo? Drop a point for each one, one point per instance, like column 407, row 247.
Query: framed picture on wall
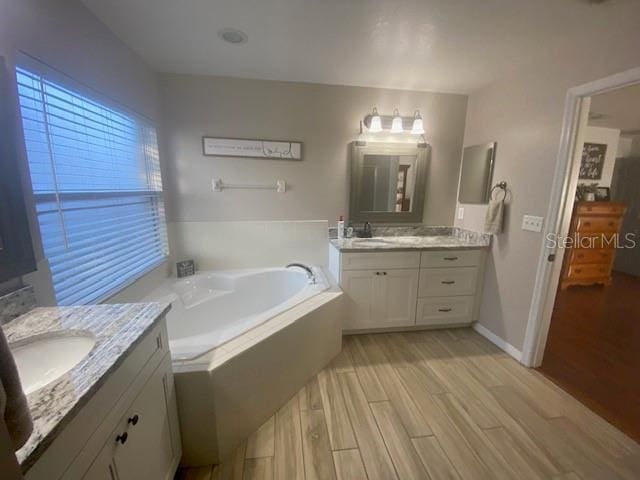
column 250, row 148
column 592, row 163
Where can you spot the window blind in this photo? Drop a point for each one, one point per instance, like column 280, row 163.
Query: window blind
column 96, row 181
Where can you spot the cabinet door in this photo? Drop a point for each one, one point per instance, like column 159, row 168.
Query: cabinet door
column 148, row 451
column 396, row 299
column 102, row 467
column 360, row 289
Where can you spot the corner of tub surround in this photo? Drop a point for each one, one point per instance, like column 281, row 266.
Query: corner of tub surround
column 17, row 303
column 249, row 244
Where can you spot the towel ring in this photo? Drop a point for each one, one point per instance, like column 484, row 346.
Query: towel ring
column 502, row 186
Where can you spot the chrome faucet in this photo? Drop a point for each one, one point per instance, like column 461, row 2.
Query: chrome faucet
column 310, row 274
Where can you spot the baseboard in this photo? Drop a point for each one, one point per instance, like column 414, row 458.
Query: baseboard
column 498, row 342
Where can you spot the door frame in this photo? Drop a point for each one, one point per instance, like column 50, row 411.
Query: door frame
column 576, row 108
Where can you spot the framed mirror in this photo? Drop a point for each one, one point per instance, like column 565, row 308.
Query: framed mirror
column 476, row 173
column 388, row 182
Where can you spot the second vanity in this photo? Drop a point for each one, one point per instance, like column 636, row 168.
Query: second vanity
column 404, row 281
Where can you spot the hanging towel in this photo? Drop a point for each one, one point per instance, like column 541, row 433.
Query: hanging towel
column 495, row 215
column 16, row 411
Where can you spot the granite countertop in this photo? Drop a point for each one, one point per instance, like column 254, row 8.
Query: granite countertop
column 414, row 238
column 118, row 329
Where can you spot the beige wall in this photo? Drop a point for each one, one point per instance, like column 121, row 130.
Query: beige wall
column 325, row 118
column 66, row 36
column 524, row 114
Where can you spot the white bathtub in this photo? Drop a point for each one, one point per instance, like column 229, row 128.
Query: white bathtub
column 212, row 308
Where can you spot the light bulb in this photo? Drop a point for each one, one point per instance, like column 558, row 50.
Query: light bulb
column 418, row 125
column 376, row 123
column 396, row 124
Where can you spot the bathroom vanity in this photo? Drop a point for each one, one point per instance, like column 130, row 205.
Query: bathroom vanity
column 400, row 282
column 113, row 414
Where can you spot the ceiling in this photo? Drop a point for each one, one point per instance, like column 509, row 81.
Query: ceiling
column 437, row 45
column 617, row 109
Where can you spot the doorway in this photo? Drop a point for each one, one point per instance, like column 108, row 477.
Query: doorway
column 593, row 344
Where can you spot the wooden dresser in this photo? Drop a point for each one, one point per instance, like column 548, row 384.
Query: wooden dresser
column 594, row 230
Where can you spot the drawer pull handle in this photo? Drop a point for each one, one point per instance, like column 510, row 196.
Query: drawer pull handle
column 448, row 282
column 122, row 438
column 384, row 273
column 444, row 310
column 451, row 258
column 133, row 420
column 377, row 273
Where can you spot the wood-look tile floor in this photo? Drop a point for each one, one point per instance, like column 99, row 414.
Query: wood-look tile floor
column 430, row 405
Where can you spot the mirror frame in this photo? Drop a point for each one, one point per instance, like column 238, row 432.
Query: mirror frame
column 491, row 156
column 358, row 151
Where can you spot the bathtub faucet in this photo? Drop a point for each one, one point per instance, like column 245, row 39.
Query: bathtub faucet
column 310, row 274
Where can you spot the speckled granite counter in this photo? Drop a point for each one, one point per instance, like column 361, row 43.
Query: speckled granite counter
column 117, row 328
column 414, row 238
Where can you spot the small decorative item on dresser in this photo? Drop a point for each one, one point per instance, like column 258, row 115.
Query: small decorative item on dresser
column 603, row 194
column 185, row 268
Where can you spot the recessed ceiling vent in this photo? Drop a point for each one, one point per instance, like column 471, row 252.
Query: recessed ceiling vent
column 233, row 36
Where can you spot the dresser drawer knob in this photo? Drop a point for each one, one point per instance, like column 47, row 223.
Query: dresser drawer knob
column 122, row 438
column 448, row 282
column 451, row 259
column 444, row 310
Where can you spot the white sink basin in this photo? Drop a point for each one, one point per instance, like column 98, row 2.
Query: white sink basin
column 41, row 360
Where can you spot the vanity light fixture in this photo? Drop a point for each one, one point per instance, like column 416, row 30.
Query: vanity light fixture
column 396, row 123
column 376, row 122
column 418, row 125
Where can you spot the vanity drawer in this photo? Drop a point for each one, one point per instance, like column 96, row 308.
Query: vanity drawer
column 585, row 255
column 451, row 258
column 382, row 260
column 441, row 282
column 444, row 310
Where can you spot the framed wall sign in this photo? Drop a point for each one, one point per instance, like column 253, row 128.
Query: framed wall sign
column 592, row 161
column 247, row 148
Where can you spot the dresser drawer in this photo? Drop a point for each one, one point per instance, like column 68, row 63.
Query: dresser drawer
column 606, row 208
column 578, row 272
column 583, row 255
column 441, row 282
column 444, row 310
column 451, row 258
column 382, row 260
column 592, row 223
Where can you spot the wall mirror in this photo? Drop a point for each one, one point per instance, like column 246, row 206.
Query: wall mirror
column 388, row 182
column 476, row 173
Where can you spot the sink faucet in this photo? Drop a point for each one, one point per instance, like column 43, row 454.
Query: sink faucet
column 366, row 231
column 310, row 274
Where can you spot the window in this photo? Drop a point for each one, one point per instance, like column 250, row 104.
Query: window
column 96, row 180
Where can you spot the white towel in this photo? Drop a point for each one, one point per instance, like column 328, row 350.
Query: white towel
column 495, row 216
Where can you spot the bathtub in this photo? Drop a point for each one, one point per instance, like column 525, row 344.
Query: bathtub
column 243, row 342
column 212, row 308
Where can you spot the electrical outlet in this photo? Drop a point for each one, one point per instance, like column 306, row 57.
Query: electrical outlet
column 460, row 213
column 532, row 223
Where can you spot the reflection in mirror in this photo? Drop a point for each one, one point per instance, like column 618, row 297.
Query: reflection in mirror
column 476, row 173
column 388, row 182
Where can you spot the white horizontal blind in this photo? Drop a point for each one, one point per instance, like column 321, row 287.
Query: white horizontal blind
column 96, row 179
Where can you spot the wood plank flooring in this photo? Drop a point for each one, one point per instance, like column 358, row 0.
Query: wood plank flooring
column 593, row 349
column 434, row 405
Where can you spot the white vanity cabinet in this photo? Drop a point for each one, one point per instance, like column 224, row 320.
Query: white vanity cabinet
column 128, row 429
column 430, row 288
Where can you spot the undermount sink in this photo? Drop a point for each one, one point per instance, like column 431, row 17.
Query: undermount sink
column 41, row 360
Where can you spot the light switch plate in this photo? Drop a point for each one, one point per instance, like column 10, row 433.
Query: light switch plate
column 460, row 213
column 532, row 223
